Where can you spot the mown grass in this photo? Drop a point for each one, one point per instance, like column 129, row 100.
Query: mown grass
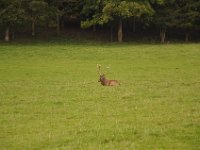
column 50, row 97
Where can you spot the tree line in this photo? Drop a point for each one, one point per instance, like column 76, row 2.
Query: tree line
column 163, row 14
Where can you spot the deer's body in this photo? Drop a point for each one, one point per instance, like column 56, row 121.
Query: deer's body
column 106, row 82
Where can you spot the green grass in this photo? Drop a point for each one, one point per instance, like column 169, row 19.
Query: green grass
column 50, row 97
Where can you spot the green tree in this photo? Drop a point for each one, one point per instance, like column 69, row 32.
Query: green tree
column 185, row 16
column 64, row 9
column 181, row 14
column 163, row 16
column 118, row 10
column 36, row 11
column 55, row 12
column 91, row 13
column 11, row 13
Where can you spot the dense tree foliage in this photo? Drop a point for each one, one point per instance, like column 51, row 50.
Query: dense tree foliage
column 102, row 12
column 186, row 16
column 11, row 13
column 183, row 15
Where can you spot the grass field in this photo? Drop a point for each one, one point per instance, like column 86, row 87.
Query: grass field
column 50, row 97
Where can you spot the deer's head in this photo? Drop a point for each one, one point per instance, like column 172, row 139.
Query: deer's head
column 102, row 78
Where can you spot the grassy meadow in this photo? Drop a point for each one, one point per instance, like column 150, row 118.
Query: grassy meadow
column 50, row 97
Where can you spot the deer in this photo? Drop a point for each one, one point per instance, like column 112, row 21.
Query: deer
column 103, row 80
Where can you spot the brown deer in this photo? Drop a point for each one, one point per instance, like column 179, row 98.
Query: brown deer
column 103, row 80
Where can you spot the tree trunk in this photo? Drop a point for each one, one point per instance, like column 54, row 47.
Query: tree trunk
column 7, row 35
column 120, row 34
column 94, row 28
column 134, row 25
column 13, row 35
column 111, row 32
column 62, row 24
column 47, row 24
column 162, row 35
column 33, row 27
column 187, row 37
column 58, row 25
